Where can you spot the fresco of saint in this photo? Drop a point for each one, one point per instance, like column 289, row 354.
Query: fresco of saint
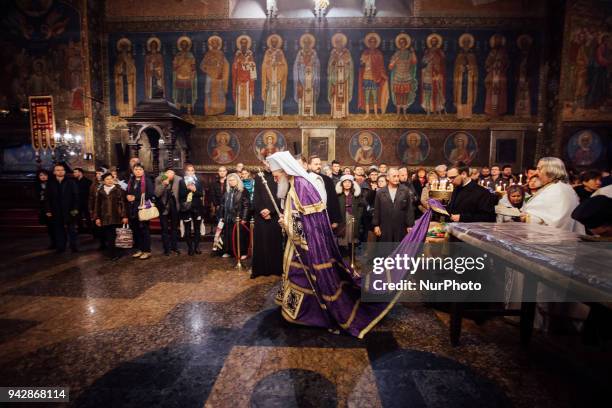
column 365, row 147
column 216, row 69
column 154, row 69
column 274, row 71
column 416, row 148
column 74, row 64
column 460, row 147
column 244, row 75
column 269, row 142
column 522, row 102
column 465, row 77
column 221, row 150
column 496, row 80
column 184, row 76
column 125, row 79
column 373, row 79
column 403, row 67
column 433, row 87
column 307, row 76
column 339, row 77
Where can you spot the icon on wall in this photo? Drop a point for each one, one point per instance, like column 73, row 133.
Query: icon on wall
column 269, row 142
column 584, row 147
column 223, row 147
column 413, row 147
column 365, row 147
column 460, row 147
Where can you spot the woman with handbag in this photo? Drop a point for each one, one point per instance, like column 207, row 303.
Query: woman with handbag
column 140, row 193
column 191, row 201
column 351, row 208
column 110, row 212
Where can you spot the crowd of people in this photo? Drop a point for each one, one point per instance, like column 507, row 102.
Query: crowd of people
column 377, row 203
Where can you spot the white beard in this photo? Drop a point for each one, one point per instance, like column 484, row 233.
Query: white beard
column 283, row 187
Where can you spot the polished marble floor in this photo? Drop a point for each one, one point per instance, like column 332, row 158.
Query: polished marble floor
column 185, row 331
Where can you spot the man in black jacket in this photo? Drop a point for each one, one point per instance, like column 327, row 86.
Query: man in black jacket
column 469, row 202
column 393, row 210
column 62, row 208
column 84, row 187
column 333, row 205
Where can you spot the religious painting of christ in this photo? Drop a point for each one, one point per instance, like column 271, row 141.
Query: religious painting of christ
column 339, row 77
column 465, row 77
column 216, row 69
column 433, row 86
column 274, row 71
column 496, row 80
column 244, row 75
column 154, row 69
column 373, row 80
column 403, row 71
column 522, row 103
column 125, row 79
column 184, row 76
column 307, row 76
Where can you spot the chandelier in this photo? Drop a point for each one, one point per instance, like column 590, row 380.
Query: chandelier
column 67, row 145
column 320, row 8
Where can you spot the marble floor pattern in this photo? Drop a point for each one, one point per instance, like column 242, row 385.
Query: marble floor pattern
column 185, row 331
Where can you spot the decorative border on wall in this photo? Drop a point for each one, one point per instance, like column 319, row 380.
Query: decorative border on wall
column 148, row 24
column 387, row 121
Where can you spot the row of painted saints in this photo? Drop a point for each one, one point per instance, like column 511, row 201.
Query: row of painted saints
column 365, row 146
column 376, row 82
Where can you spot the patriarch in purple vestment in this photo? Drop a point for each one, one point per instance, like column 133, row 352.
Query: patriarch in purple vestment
column 318, row 287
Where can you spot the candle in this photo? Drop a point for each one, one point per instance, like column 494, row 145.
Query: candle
column 520, row 179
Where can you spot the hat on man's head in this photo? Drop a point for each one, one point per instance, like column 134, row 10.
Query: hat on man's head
column 594, row 212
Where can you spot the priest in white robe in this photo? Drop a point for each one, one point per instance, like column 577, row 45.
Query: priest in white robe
column 553, row 205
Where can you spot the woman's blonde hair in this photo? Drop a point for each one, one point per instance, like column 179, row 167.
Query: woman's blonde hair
column 554, row 168
column 239, row 185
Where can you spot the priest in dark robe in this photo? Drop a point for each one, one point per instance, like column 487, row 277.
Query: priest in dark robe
column 318, row 288
column 267, row 234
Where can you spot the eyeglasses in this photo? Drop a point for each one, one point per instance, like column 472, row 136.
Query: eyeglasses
column 451, row 178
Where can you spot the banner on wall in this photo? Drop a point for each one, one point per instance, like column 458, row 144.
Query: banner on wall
column 42, row 122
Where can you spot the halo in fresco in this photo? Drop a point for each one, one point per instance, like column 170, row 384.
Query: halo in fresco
column 223, row 147
column 365, row 147
column 460, row 147
column 152, row 40
column 341, row 36
column 249, row 41
column 269, row 142
column 466, row 36
column 180, row 41
column 438, row 37
column 413, row 147
column 584, row 147
column 124, row 41
column 497, row 37
column 214, row 37
column 376, row 37
column 404, row 36
column 278, row 38
column 312, row 38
